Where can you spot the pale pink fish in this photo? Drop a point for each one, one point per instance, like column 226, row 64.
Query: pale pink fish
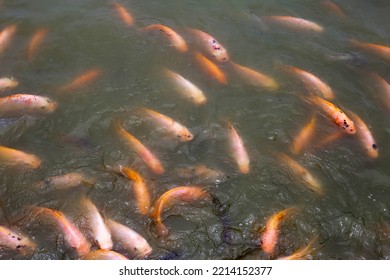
column 21, row 104
column 8, row 83
column 295, row 23
column 238, row 150
column 100, row 232
column 5, row 36
column 209, row 45
column 168, row 125
column 65, row 181
column 106, row 255
column 16, row 241
column 383, row 88
column 35, row 42
column 131, row 240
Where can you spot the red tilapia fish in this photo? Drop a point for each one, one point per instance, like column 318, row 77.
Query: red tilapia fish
column 100, row 232
column 334, row 113
column 16, row 241
column 106, row 255
column 176, row 40
column 269, row 237
column 168, row 125
column 186, row 88
column 5, row 37
column 311, row 82
column 378, row 50
column 72, row 235
column 383, row 88
column 210, row 68
column 140, row 189
column 333, row 8
column 144, row 153
column 65, row 181
column 36, row 41
column 185, row 193
column 209, row 45
column 124, row 14
column 18, row 159
column 83, row 80
column 302, row 253
column 8, row 83
column 303, row 137
column 254, row 77
column 20, row 104
column 132, row 241
column 238, row 150
column 294, row 23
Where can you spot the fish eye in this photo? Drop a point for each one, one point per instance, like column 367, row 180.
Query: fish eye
column 43, row 107
column 374, row 146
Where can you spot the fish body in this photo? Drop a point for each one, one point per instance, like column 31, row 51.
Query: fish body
column 143, row 152
column 65, row 181
column 238, row 150
column 106, row 255
column 255, row 78
column 186, row 88
column 333, row 8
column 295, row 23
column 21, row 104
column 6, row 36
column 383, row 88
column 209, row 45
column 7, row 83
column 334, row 113
column 35, row 42
column 210, row 68
column 124, row 14
column 376, row 49
column 83, row 80
column 16, row 241
column 302, row 253
column 176, row 40
column 131, row 240
column 19, row 159
column 201, row 173
column 183, row 193
column 304, row 136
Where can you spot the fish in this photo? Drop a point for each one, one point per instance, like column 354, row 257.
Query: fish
column 311, row 82
column 254, row 77
column 71, row 234
column 295, row 23
column 376, row 49
column 143, row 152
column 16, row 241
column 99, row 229
column 238, row 150
column 104, row 255
column 6, row 36
column 200, row 173
column 186, row 88
column 304, row 136
column 176, row 40
column 36, row 41
column 302, row 253
column 20, row 104
column 336, row 115
column 168, row 125
column 302, row 173
column 382, row 87
column 8, row 83
column 269, row 237
column 140, row 188
column 183, row 193
column 365, row 136
column 65, row 181
column 333, row 8
column 135, row 244
column 210, row 68
column 124, row 14
column 83, row 80
column 209, row 45
column 329, row 139
column 15, row 158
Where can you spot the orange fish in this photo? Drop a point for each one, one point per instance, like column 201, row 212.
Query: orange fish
column 15, row 158
column 20, row 104
column 65, row 181
column 269, row 237
column 72, row 235
column 334, row 113
column 210, row 68
column 378, row 50
column 238, row 150
column 124, row 14
column 186, row 88
column 365, row 136
column 82, row 80
column 294, row 23
column 311, row 82
column 329, row 139
column 383, row 88
column 144, row 153
column 254, row 77
column 334, row 8
column 209, row 45
column 5, row 36
column 176, row 40
column 131, row 240
column 168, row 125
column 304, row 136
column 36, row 41
column 302, row 254
column 302, row 173
column 106, row 255
column 16, row 241
column 185, row 193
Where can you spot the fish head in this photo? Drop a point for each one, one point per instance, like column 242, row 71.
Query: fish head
column 184, row 136
column 48, row 105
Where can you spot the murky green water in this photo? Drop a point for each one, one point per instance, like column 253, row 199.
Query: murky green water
column 350, row 220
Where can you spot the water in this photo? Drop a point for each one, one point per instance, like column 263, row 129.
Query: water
column 350, row 220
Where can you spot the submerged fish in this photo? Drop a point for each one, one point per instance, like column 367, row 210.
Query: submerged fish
column 83, row 80
column 304, row 136
column 333, row 8
column 238, row 150
column 201, row 174
column 6, row 36
column 302, row 253
column 8, row 83
column 124, row 14
column 184, row 193
column 376, row 49
column 383, row 88
column 210, row 68
column 176, row 40
column 209, row 45
column 35, row 42
column 104, row 255
column 65, row 181
column 16, row 241
column 294, row 23
column 20, row 104
column 14, row 158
